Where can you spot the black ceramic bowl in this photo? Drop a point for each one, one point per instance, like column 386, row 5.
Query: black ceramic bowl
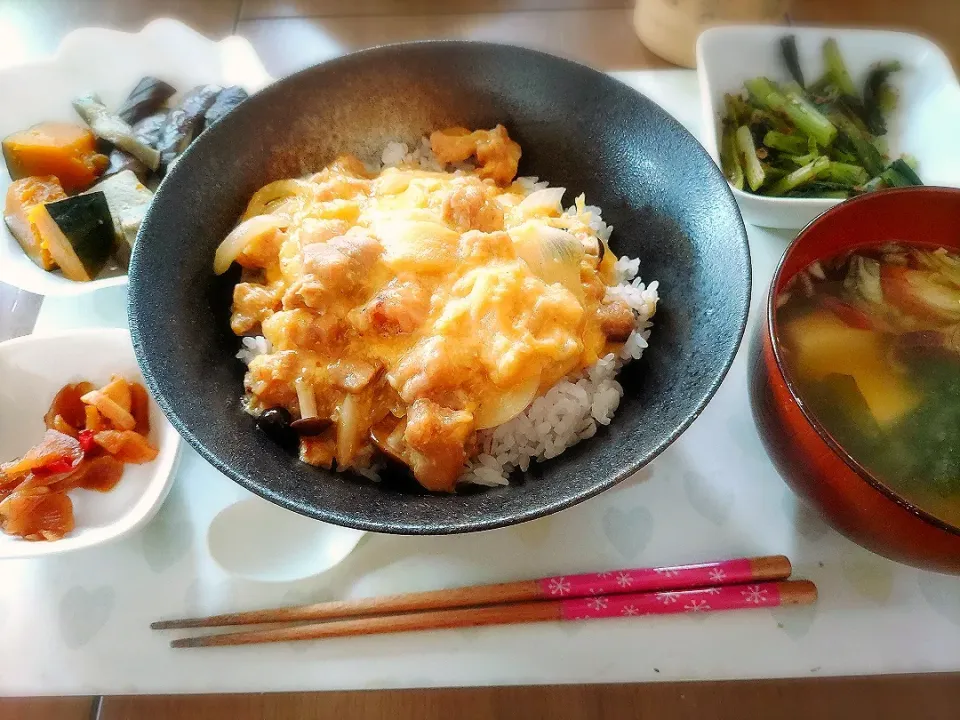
column 578, row 128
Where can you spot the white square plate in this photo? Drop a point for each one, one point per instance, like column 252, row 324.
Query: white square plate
column 33, row 369
column 109, row 63
column 924, row 123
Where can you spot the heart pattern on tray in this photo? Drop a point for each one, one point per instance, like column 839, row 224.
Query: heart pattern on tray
column 628, row 530
column 942, row 593
column 83, row 613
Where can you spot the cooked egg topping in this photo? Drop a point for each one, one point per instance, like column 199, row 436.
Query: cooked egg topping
column 407, row 309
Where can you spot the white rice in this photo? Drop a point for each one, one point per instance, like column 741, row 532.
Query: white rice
column 574, row 408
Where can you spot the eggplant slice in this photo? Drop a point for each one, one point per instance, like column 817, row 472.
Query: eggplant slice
column 111, row 128
column 226, row 101
column 146, row 98
column 185, row 122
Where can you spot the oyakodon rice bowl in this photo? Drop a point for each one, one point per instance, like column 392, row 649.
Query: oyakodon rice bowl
column 432, row 309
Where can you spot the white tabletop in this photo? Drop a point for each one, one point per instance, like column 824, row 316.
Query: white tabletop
column 79, row 623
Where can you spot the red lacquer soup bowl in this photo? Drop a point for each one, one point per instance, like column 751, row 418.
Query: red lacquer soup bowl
column 812, row 463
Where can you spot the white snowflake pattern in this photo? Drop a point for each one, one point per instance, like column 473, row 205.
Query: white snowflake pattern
column 667, row 598
column 718, row 575
column 605, row 574
column 624, row 579
column 754, row 594
column 697, row 606
column 594, row 591
column 559, row 586
column 666, row 572
column 597, row 603
column 712, row 590
column 629, row 610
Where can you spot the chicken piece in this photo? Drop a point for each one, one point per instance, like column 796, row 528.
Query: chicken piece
column 497, row 155
column 399, row 307
column 270, row 379
column 262, row 249
column 314, row 230
column 434, row 368
column 318, row 450
column 470, row 207
column 354, row 374
column 617, row 320
column 293, row 329
column 340, row 187
column 435, row 437
column 483, row 247
column 252, row 304
column 338, row 267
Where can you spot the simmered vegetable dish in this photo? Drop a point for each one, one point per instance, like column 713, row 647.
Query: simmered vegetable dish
column 80, row 193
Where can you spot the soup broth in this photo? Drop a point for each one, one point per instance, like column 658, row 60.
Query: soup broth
column 871, row 341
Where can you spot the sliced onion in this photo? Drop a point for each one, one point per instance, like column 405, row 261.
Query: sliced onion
column 501, row 408
column 543, row 200
column 552, row 254
column 241, row 235
column 274, row 191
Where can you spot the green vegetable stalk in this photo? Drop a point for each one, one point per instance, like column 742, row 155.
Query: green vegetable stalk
column 808, row 173
column 729, row 157
column 845, row 174
column 748, row 155
column 801, row 112
column 793, row 144
column 837, row 68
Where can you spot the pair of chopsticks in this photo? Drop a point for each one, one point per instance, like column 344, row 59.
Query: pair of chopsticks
column 722, row 585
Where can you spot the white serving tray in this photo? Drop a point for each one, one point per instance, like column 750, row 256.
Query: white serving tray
column 80, row 626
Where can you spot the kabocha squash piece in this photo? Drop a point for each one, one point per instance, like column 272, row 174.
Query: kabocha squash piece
column 145, row 99
column 128, row 200
column 111, row 128
column 22, row 196
column 78, row 232
column 66, row 151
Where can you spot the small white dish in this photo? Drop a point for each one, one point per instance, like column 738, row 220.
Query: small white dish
column 33, row 369
column 258, row 540
column 109, row 63
column 923, row 125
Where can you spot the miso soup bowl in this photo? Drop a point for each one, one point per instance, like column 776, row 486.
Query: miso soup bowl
column 808, row 458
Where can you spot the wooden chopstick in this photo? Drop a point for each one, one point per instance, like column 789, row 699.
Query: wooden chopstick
column 681, row 577
column 729, row 597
